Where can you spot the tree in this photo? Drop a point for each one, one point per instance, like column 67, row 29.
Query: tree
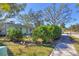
column 46, row 33
column 74, row 28
column 58, row 15
column 14, row 32
column 36, row 17
column 63, row 25
column 25, row 20
column 11, row 9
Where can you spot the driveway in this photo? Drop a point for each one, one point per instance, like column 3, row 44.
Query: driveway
column 64, row 47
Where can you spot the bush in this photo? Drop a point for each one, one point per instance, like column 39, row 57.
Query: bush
column 47, row 33
column 14, row 32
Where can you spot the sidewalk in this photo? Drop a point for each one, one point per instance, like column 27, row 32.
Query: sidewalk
column 64, row 47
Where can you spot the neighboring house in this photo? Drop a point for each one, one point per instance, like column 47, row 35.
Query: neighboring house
column 26, row 30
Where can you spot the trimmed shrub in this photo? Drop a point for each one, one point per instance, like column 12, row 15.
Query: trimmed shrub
column 46, row 33
column 14, row 32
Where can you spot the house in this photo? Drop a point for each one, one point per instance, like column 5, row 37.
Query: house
column 26, row 30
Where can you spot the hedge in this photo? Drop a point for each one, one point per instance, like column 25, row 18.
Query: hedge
column 14, row 32
column 46, row 33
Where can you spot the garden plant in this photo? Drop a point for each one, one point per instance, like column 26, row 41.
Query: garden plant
column 46, row 33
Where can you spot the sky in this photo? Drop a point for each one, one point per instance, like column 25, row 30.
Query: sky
column 42, row 6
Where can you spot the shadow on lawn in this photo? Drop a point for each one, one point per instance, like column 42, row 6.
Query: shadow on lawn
column 9, row 52
column 75, row 41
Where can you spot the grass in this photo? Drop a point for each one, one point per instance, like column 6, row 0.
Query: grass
column 27, row 38
column 76, row 44
column 22, row 50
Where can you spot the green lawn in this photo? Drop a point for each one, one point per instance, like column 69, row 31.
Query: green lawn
column 76, row 44
column 23, row 50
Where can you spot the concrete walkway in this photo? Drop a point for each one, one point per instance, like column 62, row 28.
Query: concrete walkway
column 64, row 47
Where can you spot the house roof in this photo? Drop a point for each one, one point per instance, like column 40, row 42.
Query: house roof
column 19, row 25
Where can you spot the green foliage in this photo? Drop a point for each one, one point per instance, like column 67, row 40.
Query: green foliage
column 36, row 17
column 5, row 6
column 12, row 7
column 77, row 5
column 13, row 32
column 47, row 33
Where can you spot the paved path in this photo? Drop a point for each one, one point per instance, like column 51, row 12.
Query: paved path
column 64, row 47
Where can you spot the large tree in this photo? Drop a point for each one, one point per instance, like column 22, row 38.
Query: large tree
column 11, row 9
column 36, row 17
column 58, row 14
column 25, row 19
